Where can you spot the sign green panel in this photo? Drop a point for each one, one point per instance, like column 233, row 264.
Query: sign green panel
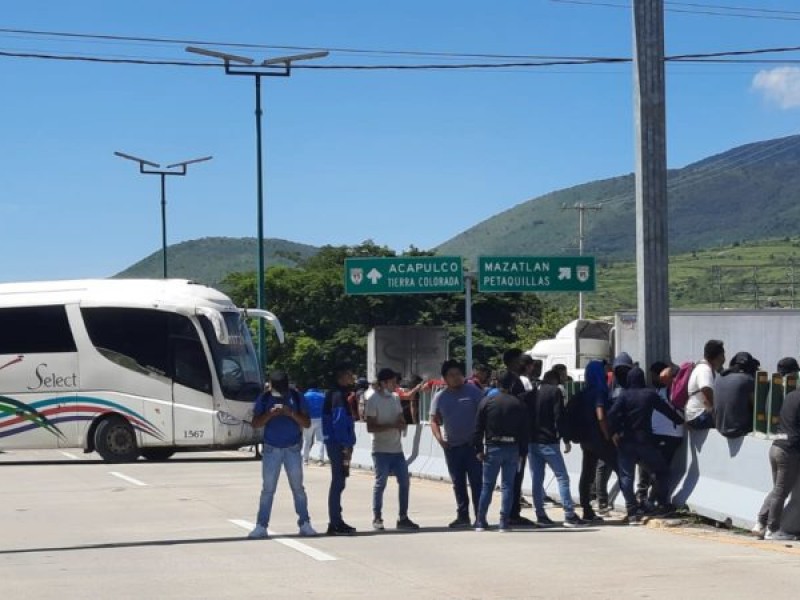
column 536, row 274
column 404, row 275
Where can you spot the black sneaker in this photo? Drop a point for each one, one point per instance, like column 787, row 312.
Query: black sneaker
column 573, row 521
column 544, row 521
column 603, row 509
column 341, row 529
column 661, row 512
column 460, row 523
column 635, row 519
column 520, row 522
column 593, row 518
column 406, row 524
column 524, row 503
column 550, row 501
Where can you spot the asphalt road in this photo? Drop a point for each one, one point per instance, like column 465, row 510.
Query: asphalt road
column 73, row 527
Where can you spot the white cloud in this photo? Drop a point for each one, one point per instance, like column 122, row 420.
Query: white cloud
column 780, row 85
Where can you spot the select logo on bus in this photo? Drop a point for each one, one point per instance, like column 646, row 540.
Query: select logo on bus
column 17, row 417
column 47, row 380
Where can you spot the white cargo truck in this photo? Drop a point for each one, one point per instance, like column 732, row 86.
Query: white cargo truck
column 769, row 335
column 408, row 350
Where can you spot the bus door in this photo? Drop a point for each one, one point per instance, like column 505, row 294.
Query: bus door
column 192, row 389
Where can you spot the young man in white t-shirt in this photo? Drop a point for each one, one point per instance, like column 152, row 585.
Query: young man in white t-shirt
column 700, row 407
column 386, row 423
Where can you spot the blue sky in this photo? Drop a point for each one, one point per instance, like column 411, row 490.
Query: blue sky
column 400, row 157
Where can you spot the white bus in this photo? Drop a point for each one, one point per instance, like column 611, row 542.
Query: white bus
column 126, row 368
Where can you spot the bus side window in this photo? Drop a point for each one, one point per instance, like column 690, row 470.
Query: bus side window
column 191, row 365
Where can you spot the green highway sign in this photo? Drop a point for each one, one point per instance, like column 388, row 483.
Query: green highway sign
column 403, row 275
column 536, row 274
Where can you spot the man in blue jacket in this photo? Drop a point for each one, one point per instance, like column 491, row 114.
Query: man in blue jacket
column 282, row 414
column 338, row 430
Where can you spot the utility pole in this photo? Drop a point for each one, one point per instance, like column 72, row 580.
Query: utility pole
column 468, row 279
column 581, row 208
column 652, row 252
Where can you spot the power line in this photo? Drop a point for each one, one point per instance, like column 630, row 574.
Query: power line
column 184, row 42
column 701, row 9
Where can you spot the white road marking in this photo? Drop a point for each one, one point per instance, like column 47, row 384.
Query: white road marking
column 128, row 479
column 69, row 456
column 289, row 543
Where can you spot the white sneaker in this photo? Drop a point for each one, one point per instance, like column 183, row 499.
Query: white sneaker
column 306, row 530
column 759, row 531
column 780, row 536
column 259, row 533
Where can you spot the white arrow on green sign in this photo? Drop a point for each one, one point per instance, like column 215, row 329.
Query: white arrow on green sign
column 403, row 275
column 536, row 274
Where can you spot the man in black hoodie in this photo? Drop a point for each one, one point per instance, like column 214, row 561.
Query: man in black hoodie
column 734, row 396
column 631, row 423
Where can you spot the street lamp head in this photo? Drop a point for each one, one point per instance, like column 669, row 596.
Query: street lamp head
column 222, row 55
column 279, row 60
column 141, row 161
column 189, row 162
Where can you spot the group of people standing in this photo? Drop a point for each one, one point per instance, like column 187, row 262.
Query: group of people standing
column 490, row 427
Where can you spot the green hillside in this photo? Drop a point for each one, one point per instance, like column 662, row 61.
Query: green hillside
column 756, row 274
column 750, row 192
column 209, row 260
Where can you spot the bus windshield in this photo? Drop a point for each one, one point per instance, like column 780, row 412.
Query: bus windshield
column 236, row 362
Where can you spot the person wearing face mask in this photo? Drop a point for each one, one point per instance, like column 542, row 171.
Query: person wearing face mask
column 386, row 423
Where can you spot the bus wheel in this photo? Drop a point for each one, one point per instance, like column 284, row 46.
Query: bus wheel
column 157, row 454
column 115, row 440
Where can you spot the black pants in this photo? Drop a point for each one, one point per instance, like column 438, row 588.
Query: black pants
column 593, row 452
column 667, row 447
column 516, row 506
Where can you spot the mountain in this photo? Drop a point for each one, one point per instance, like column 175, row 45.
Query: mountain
column 209, row 260
column 748, row 193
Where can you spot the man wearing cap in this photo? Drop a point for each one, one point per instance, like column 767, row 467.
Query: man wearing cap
column 734, row 396
column 788, row 366
column 386, row 423
column 500, row 441
column 283, row 415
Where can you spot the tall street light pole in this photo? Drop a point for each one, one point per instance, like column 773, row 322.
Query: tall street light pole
column 147, row 167
column 271, row 67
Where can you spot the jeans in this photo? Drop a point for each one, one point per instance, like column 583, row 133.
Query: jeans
column 516, row 505
column 310, row 435
column 499, row 458
column 667, row 446
column 632, row 453
column 390, row 464
column 539, row 456
column 463, row 465
column 602, row 475
column 593, row 452
column 785, row 471
column 272, row 461
column 338, row 483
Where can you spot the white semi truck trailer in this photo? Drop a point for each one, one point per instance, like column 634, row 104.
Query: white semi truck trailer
column 769, row 335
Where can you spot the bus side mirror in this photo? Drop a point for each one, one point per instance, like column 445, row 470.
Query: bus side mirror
column 257, row 313
column 217, row 322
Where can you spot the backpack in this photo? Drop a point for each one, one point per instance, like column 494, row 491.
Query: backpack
column 679, row 390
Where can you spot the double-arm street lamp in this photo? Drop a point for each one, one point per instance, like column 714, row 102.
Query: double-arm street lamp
column 272, row 67
column 147, row 167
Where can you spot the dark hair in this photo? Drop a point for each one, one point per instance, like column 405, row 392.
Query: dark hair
column 506, row 380
column 713, row 349
column 279, row 380
column 509, row 356
column 527, row 359
column 658, row 366
column 551, row 377
column 452, row 364
column 479, row 368
column 386, row 374
column 559, row 368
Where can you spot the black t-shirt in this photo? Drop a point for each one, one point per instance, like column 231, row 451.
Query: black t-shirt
column 733, row 408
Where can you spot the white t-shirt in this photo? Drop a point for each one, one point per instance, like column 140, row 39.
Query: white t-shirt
column 661, row 424
column 702, row 377
column 526, row 383
column 385, row 407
